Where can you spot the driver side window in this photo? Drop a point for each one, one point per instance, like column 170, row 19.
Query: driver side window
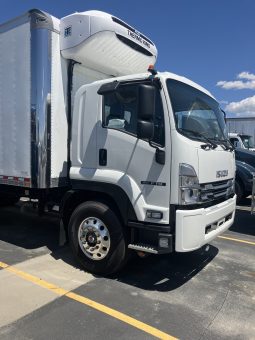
column 120, row 112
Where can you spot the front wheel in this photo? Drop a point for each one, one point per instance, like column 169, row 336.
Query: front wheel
column 97, row 238
column 6, row 200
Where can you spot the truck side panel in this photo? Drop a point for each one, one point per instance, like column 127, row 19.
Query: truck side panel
column 15, row 110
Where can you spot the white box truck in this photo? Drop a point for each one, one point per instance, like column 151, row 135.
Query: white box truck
column 136, row 160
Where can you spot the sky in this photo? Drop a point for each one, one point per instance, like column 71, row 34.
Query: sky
column 211, row 42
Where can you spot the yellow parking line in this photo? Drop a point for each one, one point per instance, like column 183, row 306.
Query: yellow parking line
column 237, row 240
column 93, row 304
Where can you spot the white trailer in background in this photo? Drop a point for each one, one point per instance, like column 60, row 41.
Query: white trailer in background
column 136, row 160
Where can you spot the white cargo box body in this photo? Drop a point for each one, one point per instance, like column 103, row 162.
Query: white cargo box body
column 33, row 123
column 105, row 43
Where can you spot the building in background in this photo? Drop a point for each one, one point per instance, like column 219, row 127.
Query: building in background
column 242, row 125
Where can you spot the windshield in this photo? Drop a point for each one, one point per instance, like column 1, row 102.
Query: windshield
column 194, row 111
column 247, row 141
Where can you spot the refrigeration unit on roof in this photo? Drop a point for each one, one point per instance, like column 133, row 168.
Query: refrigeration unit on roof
column 105, row 43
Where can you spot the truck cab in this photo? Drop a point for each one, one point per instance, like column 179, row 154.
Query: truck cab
column 242, row 141
column 170, row 158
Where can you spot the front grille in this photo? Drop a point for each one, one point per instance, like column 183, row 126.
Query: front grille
column 216, row 190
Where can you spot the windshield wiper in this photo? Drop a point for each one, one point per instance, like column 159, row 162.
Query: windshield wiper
column 210, row 143
column 226, row 143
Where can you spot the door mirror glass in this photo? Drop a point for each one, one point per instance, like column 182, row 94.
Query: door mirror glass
column 146, row 102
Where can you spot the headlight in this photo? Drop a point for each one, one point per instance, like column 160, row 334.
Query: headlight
column 189, row 190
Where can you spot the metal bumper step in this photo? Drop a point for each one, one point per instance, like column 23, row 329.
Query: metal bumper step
column 146, row 248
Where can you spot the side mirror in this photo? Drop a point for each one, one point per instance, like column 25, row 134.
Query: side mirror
column 146, row 111
column 146, row 102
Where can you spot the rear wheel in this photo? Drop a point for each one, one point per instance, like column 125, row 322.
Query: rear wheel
column 97, row 238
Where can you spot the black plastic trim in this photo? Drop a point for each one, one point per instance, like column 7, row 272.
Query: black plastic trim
column 161, row 228
column 204, row 205
column 116, row 193
column 70, row 68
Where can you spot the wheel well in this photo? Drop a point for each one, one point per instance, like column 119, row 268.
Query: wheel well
column 73, row 198
column 240, row 181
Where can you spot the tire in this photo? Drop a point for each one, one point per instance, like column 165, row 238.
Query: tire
column 8, row 200
column 83, row 233
column 239, row 191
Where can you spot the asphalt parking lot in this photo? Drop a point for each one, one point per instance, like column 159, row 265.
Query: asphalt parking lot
column 207, row 294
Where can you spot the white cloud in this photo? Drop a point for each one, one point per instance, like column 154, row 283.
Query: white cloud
column 249, row 82
column 237, row 84
column 246, row 75
column 243, row 107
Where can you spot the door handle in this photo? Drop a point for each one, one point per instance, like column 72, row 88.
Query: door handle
column 103, row 157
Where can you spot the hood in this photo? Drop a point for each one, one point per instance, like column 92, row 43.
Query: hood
column 215, row 165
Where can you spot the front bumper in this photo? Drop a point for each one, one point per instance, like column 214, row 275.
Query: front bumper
column 194, row 228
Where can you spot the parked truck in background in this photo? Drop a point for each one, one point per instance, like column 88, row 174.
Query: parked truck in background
column 244, row 180
column 242, row 141
column 135, row 160
column 244, row 127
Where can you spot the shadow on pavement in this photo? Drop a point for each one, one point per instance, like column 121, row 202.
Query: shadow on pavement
column 27, row 230
column 244, row 222
column 166, row 272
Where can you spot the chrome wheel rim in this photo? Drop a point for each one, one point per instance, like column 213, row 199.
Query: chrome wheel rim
column 94, row 238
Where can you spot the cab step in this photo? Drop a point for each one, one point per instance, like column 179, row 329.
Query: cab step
column 146, row 248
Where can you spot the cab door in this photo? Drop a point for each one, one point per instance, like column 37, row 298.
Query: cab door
column 130, row 162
